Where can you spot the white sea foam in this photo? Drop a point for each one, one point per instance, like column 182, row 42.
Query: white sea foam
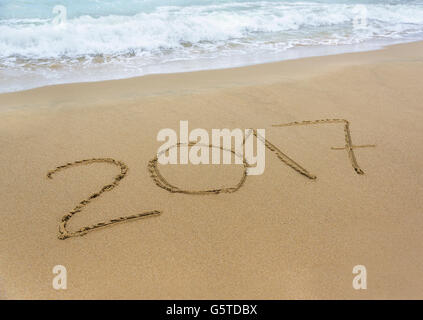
column 136, row 37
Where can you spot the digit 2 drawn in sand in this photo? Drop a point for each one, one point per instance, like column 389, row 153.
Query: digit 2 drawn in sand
column 161, row 182
column 63, row 232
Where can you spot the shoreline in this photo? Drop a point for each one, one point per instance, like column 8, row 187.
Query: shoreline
column 280, row 236
column 206, row 80
column 298, row 53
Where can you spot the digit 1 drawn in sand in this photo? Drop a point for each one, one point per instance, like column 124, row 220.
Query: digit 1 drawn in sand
column 348, row 142
column 282, row 156
column 63, row 232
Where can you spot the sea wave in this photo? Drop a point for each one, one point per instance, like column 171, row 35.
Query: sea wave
column 137, row 33
column 207, row 27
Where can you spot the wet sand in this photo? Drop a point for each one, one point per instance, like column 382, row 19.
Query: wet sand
column 279, row 236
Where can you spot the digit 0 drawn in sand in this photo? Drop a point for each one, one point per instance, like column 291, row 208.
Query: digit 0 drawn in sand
column 161, row 182
column 348, row 141
column 63, row 231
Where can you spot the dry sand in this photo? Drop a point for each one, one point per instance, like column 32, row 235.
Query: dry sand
column 279, row 236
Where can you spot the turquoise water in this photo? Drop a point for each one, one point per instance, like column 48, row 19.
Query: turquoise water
column 47, row 42
column 25, row 9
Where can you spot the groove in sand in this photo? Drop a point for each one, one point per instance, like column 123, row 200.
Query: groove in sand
column 63, row 231
column 161, row 182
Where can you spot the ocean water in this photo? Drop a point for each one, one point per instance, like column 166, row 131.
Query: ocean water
column 46, row 42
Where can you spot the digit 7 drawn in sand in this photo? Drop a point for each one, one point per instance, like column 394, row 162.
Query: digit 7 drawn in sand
column 348, row 141
column 161, row 182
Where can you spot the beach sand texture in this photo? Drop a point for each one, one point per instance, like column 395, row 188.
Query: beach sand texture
column 280, row 235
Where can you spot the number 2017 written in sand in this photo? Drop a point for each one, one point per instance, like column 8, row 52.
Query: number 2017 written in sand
column 161, row 182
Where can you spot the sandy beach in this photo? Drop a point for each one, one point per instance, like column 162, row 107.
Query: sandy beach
column 280, row 236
